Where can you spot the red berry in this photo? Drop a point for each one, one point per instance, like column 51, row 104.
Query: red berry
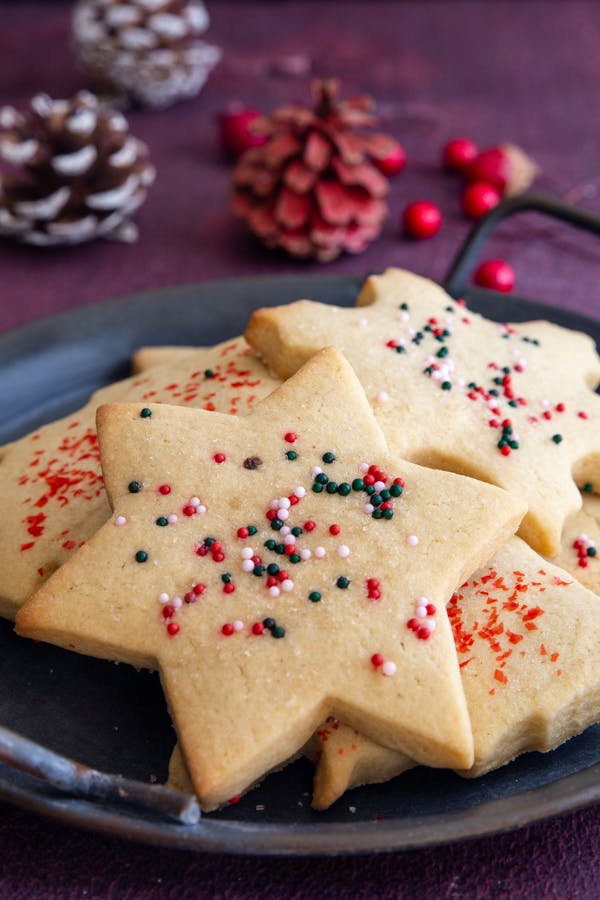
column 393, row 163
column 458, row 154
column 478, row 198
column 235, row 130
column 491, row 165
column 421, row 219
column 496, row 275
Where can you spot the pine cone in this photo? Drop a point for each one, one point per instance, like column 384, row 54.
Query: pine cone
column 75, row 172
column 147, row 50
column 312, row 188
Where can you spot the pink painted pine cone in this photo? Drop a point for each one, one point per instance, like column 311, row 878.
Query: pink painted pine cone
column 312, row 188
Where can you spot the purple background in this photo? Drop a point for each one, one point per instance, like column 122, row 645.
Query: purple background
column 494, row 71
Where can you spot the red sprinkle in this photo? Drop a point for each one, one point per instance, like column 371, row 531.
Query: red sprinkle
column 228, row 587
column 189, row 510
column 334, row 529
column 242, row 532
column 227, row 629
column 164, row 489
column 377, row 660
column 290, row 437
column 310, row 525
column 258, row 628
column 173, row 628
column 168, row 611
column 219, row 457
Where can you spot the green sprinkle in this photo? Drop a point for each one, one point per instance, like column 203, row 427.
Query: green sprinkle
column 358, row 484
column 513, row 403
column 291, row 454
column 376, row 499
column 162, row 521
column 400, row 349
column 369, row 489
column 322, row 478
column 385, row 494
column 270, row 544
column 208, row 373
column 377, row 514
column 514, row 445
column 396, row 490
column 557, row 438
column 280, row 548
column 443, row 351
column 145, row 413
column 317, row 487
column 446, row 385
column 314, row 596
column 591, row 551
column 134, row 487
column 404, row 306
column 588, row 487
column 252, row 529
column 328, row 457
column 141, row 556
column 344, row 489
column 342, row 582
column 258, row 571
column 276, row 524
column 506, row 370
column 272, row 569
column 277, row 631
column 269, row 623
column 297, row 531
column 226, row 577
column 502, row 443
column 294, row 558
column 388, row 513
column 332, row 487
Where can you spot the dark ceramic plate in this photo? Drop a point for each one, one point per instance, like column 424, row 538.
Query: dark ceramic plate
column 114, row 718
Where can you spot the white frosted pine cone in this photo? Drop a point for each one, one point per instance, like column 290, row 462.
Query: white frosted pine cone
column 148, row 51
column 74, row 172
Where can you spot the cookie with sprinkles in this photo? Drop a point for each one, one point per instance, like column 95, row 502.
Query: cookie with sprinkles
column 512, row 405
column 51, row 480
column 265, row 563
column 580, row 546
column 527, row 637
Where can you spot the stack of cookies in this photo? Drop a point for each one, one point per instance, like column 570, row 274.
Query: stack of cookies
column 312, row 534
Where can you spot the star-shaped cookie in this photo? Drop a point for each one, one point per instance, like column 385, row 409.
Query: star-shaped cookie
column 527, row 637
column 274, row 568
column 509, row 404
column 51, row 480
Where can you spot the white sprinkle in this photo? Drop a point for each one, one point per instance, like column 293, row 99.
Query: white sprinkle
column 247, row 553
column 200, row 509
column 300, row 492
column 389, row 668
column 120, row 520
column 404, row 317
column 383, row 396
column 274, row 504
column 287, row 585
column 343, row 551
column 422, row 601
column 421, row 612
column 274, row 591
column 172, row 519
column 583, row 537
column 284, row 530
column 412, row 540
column 283, row 514
column 194, row 502
column 363, row 322
column 238, row 625
column 379, row 486
column 289, row 539
column 247, row 565
column 320, row 552
column 546, row 403
column 164, row 598
column 364, row 467
column 177, row 602
column 430, row 623
column 315, row 470
column 305, row 554
column 284, row 503
column 368, row 508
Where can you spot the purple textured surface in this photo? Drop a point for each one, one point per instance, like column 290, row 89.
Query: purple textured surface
column 493, row 71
